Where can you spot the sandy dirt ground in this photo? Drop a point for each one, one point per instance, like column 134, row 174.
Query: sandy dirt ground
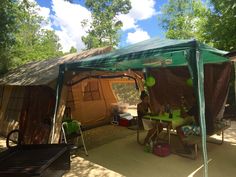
column 113, row 151
column 125, row 157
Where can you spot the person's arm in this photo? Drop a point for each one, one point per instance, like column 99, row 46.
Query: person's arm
column 141, row 110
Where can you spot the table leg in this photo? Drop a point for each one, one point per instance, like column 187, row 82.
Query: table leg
column 138, row 129
column 138, row 136
column 195, row 151
column 222, row 137
column 168, row 130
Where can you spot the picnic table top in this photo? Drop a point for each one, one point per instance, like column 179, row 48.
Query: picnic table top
column 175, row 121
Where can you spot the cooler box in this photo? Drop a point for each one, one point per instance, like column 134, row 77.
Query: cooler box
column 125, row 119
column 124, row 122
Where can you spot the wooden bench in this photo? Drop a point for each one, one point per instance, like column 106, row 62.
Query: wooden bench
column 194, row 140
column 219, row 131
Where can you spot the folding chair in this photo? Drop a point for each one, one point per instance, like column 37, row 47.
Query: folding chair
column 67, row 135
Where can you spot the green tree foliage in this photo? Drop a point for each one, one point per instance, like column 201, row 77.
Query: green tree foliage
column 22, row 38
column 184, row 19
column 221, row 27
column 8, row 26
column 33, row 42
column 213, row 24
column 73, row 50
column 103, row 30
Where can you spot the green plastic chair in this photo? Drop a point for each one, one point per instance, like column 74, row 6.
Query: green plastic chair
column 72, row 129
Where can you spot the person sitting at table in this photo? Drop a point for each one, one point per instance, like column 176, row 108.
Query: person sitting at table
column 143, row 109
column 192, row 115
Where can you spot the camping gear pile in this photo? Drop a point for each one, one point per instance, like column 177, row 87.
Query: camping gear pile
column 121, row 116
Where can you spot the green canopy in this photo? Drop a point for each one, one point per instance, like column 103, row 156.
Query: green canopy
column 150, row 53
column 156, row 53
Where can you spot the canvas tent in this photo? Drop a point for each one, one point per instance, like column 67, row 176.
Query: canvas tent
column 27, row 94
column 167, row 60
column 165, row 56
column 231, row 55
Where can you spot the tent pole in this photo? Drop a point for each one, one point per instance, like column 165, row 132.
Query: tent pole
column 234, row 82
column 55, row 114
column 58, row 92
column 201, row 99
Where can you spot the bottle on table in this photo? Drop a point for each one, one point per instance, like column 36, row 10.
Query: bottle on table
column 183, row 108
column 170, row 113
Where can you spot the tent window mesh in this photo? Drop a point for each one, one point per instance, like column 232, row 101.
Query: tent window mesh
column 15, row 103
column 1, row 95
column 126, row 93
column 91, row 91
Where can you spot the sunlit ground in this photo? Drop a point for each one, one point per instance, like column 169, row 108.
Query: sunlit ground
column 124, row 157
column 230, row 134
column 82, row 167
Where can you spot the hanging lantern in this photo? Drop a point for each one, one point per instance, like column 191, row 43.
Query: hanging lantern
column 189, row 82
column 150, row 81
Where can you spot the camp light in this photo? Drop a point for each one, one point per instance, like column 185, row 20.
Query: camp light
column 150, row 81
column 144, row 70
column 189, row 82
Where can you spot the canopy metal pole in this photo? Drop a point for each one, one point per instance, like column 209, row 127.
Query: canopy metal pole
column 201, row 98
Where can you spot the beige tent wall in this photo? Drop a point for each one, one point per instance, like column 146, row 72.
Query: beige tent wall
column 91, row 112
column 30, row 105
column 109, row 97
column 37, row 113
column 7, row 124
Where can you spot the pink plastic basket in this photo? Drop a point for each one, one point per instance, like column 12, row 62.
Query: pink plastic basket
column 162, row 150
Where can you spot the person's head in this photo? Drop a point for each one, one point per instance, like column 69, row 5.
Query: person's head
column 144, row 97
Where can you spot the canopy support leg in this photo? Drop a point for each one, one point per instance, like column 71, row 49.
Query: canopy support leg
column 201, row 102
